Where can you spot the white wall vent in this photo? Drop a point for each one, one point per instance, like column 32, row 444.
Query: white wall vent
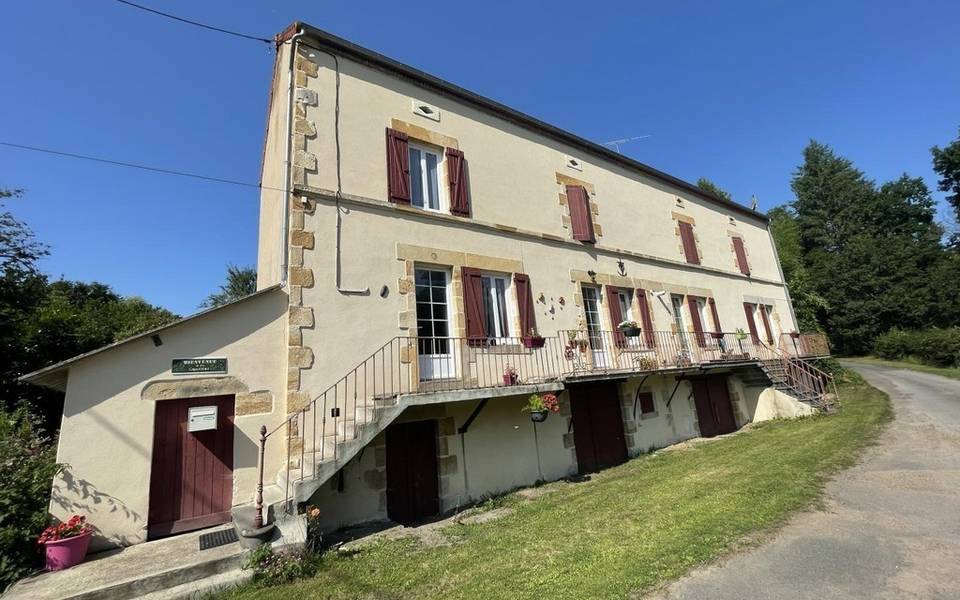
column 733, row 221
column 426, row 110
column 680, row 203
column 573, row 163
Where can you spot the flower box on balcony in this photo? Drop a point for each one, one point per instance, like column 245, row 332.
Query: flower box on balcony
column 631, row 331
column 534, row 341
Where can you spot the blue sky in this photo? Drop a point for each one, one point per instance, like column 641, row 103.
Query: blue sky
column 728, row 90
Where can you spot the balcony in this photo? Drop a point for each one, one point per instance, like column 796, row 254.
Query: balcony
column 411, row 365
column 339, row 422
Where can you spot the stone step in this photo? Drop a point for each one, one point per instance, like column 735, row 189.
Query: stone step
column 133, row 572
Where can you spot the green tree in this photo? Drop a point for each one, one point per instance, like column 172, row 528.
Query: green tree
column 946, row 162
column 867, row 251
column 43, row 322
column 27, row 466
column 807, row 304
column 708, row 186
column 19, row 250
column 241, row 282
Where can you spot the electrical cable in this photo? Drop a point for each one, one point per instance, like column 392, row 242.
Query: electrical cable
column 130, row 165
column 195, row 23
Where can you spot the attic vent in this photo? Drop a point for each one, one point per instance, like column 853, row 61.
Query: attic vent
column 573, row 163
column 680, row 203
column 733, row 221
column 426, row 110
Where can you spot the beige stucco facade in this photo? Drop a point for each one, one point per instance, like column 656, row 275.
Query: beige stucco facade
column 336, row 267
column 106, row 436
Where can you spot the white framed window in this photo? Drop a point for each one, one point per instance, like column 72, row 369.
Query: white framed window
column 591, row 312
column 496, row 290
column 625, row 298
column 426, row 189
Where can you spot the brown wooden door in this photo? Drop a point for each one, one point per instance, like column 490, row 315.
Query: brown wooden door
column 413, row 489
column 714, row 408
column 597, row 426
column 191, row 480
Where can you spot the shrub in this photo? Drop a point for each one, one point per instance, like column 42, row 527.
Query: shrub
column 27, row 467
column 936, row 347
column 271, row 568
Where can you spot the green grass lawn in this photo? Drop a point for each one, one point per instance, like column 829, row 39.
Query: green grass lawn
column 628, row 530
column 908, row 364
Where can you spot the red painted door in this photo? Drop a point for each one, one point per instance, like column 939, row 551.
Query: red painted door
column 597, row 426
column 714, row 408
column 413, row 487
column 191, row 480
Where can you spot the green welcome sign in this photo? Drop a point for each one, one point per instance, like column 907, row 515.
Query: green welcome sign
column 183, row 366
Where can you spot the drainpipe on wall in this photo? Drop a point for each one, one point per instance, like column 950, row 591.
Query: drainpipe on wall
column 288, row 163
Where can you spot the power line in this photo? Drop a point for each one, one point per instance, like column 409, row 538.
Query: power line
column 130, row 165
column 196, row 23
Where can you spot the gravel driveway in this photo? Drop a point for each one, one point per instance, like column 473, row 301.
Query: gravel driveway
column 891, row 528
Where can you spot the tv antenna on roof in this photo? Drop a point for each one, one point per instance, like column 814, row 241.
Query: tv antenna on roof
column 616, row 143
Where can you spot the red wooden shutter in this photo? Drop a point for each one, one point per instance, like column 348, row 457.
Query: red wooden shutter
column 528, row 316
column 689, row 244
column 741, row 256
column 398, row 167
column 751, row 324
column 716, row 317
column 695, row 320
column 473, row 305
column 581, row 221
column 616, row 315
column 459, row 187
column 766, row 323
column 645, row 320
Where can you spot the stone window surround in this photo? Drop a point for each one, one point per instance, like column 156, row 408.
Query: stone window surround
column 774, row 313
column 563, row 181
column 682, row 218
column 413, row 256
column 746, row 252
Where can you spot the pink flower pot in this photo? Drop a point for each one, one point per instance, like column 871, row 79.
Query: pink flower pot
column 63, row 554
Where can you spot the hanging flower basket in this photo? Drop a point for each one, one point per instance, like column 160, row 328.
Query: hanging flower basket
column 539, row 406
column 65, row 545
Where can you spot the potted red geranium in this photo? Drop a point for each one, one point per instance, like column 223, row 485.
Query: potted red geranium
column 66, row 543
column 540, row 406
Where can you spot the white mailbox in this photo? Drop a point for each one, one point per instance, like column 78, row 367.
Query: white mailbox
column 201, row 418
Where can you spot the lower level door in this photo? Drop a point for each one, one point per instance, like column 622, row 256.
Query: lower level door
column 413, row 488
column 714, row 408
column 191, row 477
column 598, row 434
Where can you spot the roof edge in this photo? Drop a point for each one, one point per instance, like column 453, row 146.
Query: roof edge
column 382, row 62
column 45, row 376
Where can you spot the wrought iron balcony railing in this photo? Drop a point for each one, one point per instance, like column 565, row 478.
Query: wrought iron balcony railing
column 407, row 366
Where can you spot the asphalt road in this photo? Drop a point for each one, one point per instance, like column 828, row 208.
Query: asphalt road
column 891, row 528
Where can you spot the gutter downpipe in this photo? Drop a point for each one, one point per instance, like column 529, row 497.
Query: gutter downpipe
column 288, row 164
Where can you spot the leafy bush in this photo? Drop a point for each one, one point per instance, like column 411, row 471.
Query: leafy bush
column 272, row 568
column 935, row 347
column 27, row 466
